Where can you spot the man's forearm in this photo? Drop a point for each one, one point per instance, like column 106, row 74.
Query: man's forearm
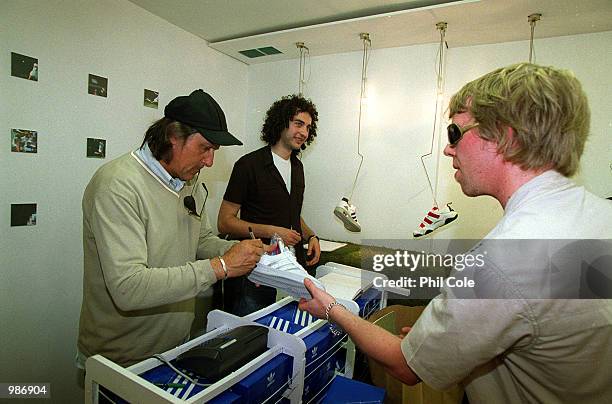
column 306, row 231
column 240, row 228
column 376, row 343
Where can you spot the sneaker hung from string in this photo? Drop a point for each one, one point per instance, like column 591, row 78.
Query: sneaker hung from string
column 347, row 212
column 282, row 271
column 435, row 219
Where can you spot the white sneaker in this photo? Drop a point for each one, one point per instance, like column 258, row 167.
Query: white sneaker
column 282, row 271
column 347, row 212
column 435, row 219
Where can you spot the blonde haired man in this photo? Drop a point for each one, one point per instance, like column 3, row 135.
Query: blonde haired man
column 533, row 329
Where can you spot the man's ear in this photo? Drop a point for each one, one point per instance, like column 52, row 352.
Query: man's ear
column 509, row 142
column 512, row 140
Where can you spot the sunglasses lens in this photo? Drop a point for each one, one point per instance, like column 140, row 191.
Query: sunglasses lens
column 454, row 134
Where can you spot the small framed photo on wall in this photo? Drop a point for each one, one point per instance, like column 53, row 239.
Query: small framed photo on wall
column 97, row 85
column 24, row 141
column 24, row 66
column 96, row 148
column 23, row 214
column 151, row 98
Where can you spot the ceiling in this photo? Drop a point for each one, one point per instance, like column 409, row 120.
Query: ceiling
column 333, row 26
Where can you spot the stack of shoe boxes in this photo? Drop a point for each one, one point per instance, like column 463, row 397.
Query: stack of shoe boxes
column 266, row 383
column 326, row 354
column 325, row 357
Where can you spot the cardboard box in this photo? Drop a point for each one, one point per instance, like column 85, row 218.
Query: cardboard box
column 393, row 318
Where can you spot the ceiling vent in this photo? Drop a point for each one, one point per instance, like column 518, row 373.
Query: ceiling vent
column 258, row 52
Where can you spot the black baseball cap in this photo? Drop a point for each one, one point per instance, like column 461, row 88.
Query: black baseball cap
column 200, row 111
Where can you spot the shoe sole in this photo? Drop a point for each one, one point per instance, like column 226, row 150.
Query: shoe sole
column 347, row 220
column 288, row 281
column 428, row 231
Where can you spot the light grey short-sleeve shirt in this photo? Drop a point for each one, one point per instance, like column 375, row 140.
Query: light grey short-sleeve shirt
column 518, row 347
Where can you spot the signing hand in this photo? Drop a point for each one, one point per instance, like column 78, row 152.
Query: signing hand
column 242, row 257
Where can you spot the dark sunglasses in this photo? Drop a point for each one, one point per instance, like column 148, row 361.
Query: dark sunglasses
column 455, row 132
column 190, row 204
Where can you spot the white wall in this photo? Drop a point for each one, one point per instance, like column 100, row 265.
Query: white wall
column 41, row 266
column 392, row 194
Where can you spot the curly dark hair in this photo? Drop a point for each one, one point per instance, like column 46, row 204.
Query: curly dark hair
column 282, row 112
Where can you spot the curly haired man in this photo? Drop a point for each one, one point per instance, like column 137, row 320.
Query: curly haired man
column 267, row 188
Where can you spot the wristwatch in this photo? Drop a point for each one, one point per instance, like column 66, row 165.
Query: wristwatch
column 315, row 236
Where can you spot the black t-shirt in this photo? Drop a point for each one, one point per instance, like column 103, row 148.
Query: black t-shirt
column 257, row 186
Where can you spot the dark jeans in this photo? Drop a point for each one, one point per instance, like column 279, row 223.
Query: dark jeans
column 242, row 297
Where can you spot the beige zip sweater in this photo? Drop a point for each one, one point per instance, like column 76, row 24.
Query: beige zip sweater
column 145, row 259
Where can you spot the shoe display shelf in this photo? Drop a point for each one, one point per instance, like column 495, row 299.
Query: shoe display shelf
column 300, row 365
column 276, row 375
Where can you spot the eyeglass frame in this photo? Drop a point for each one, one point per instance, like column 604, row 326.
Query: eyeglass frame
column 462, row 131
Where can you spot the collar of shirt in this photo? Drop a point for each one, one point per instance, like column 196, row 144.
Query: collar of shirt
column 547, row 180
column 269, row 159
column 144, row 153
column 526, row 204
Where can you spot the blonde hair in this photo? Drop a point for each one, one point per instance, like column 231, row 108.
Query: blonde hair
column 546, row 108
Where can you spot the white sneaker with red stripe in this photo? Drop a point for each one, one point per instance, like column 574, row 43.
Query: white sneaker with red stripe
column 347, row 212
column 435, row 219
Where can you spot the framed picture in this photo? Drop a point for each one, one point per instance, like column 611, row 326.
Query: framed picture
column 151, row 98
column 24, row 141
column 24, row 66
column 97, row 85
column 96, row 148
column 23, row 214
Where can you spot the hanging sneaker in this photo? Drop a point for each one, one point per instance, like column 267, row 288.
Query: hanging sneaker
column 435, row 219
column 282, row 271
column 347, row 212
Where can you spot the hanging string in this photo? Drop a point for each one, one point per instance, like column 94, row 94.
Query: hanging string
column 367, row 46
column 441, row 26
column 307, row 62
column 532, row 18
column 303, row 52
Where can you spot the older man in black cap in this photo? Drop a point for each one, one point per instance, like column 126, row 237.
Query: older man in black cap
column 148, row 246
